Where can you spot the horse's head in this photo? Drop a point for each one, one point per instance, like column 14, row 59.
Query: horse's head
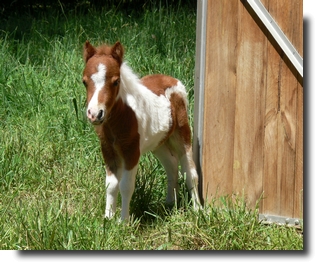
column 101, row 78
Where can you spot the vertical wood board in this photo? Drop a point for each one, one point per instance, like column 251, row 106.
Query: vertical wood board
column 219, row 105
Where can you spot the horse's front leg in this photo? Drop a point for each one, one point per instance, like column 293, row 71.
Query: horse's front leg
column 127, row 187
column 112, row 188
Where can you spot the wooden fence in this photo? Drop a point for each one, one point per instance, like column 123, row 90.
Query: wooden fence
column 248, row 128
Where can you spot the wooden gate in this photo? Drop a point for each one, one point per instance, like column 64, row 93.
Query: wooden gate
column 248, row 118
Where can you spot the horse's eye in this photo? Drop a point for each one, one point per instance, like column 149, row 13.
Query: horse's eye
column 116, row 82
column 84, row 83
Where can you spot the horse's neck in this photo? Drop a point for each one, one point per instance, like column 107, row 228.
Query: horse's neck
column 131, row 90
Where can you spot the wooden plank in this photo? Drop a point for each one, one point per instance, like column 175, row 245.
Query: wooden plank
column 250, row 108
column 288, row 107
column 271, row 179
column 298, row 191
column 281, row 127
column 219, row 100
column 298, row 203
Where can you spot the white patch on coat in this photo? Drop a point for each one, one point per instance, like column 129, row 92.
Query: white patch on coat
column 179, row 89
column 153, row 112
column 99, row 82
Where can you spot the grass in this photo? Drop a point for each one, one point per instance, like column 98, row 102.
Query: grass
column 51, row 170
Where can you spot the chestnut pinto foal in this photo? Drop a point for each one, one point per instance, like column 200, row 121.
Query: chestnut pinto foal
column 132, row 116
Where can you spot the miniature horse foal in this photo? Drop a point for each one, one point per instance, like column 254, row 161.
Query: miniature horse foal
column 132, row 116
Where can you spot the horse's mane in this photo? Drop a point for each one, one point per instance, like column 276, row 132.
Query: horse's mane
column 103, row 50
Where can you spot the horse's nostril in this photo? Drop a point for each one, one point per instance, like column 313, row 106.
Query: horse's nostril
column 100, row 114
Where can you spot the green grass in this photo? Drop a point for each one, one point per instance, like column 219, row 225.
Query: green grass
column 51, row 170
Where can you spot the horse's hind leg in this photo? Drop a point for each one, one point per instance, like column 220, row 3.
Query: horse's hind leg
column 187, row 163
column 169, row 160
column 181, row 141
column 188, row 167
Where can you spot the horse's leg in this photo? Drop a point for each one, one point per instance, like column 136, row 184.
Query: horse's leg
column 181, row 141
column 112, row 187
column 188, row 167
column 169, row 160
column 127, row 187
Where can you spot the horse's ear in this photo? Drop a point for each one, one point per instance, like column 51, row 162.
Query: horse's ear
column 88, row 51
column 118, row 52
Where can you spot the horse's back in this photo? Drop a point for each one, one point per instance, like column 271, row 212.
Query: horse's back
column 159, row 83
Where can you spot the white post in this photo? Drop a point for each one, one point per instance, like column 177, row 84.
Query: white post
column 201, row 34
